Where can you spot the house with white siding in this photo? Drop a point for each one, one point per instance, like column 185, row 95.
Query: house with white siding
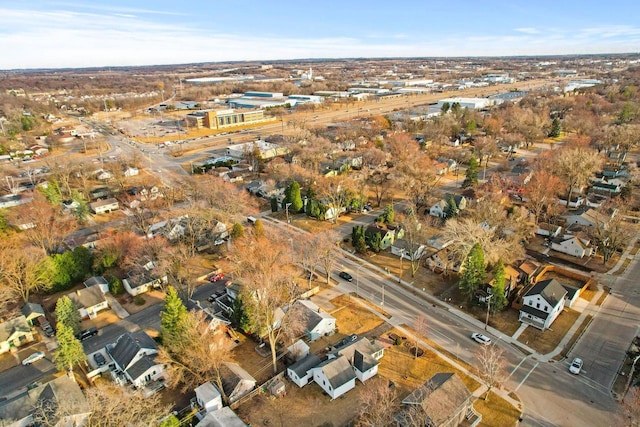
column 543, row 303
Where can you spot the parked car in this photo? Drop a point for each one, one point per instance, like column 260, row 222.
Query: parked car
column 576, row 366
column 99, row 358
column 480, row 338
column 87, row 333
column 216, row 277
column 346, row 276
column 48, row 330
column 33, row 358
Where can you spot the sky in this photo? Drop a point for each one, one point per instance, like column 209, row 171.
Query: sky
column 97, row 33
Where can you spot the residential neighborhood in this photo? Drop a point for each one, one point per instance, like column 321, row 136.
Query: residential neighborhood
column 334, row 242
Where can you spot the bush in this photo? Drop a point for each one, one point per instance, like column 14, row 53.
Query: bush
column 399, row 341
column 115, row 285
column 138, row 300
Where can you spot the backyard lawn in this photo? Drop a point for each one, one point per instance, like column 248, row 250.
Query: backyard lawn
column 545, row 341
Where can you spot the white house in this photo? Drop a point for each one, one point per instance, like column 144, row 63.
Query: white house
column 440, row 208
column 208, row 397
column 335, row 376
column 318, row 322
column 548, row 230
column 364, row 355
column 301, row 372
column 104, row 206
column 89, row 301
column 572, row 245
column 134, row 353
column 576, row 201
column 139, row 283
column 543, row 303
column 403, row 248
column 589, row 217
column 131, row 171
column 223, row 417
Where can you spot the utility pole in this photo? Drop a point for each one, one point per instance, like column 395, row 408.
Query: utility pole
column 286, row 208
column 382, row 303
column 488, row 299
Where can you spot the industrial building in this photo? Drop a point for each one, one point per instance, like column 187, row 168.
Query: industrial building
column 220, row 119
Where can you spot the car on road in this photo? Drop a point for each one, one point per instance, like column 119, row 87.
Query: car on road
column 480, row 338
column 99, row 358
column 216, row 277
column 33, row 358
column 346, row 276
column 87, row 333
column 576, row 366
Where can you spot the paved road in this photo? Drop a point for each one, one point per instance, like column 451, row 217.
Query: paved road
column 21, row 376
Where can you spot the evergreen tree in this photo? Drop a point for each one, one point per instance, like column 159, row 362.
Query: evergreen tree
column 274, row 204
column 451, row 210
column 471, row 175
column 258, row 228
column 292, row 195
column 556, row 128
column 67, row 314
column 172, row 317
column 375, row 242
column 70, row 351
column 389, row 214
column 239, row 316
column 445, row 108
column 474, row 273
column 498, row 300
column 237, row 231
column 358, row 239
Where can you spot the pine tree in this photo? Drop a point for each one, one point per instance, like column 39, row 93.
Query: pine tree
column 172, row 317
column 292, row 195
column 274, row 204
column 358, row 239
column 471, row 175
column 451, row 210
column 67, row 314
column 498, row 300
column 389, row 214
column 70, row 351
column 375, row 242
column 240, row 316
column 474, row 272
column 556, row 128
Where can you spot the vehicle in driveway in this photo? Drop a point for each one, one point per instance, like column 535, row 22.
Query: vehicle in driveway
column 33, row 358
column 99, row 358
column 216, row 277
column 346, row 276
column 576, row 366
column 480, row 338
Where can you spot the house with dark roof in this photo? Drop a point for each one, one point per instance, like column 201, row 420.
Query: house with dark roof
column 140, row 282
column 440, row 208
column 543, row 303
column 573, row 245
column 99, row 282
column 33, row 313
column 388, row 234
column 363, row 354
column 134, row 353
column 236, row 382
column 318, row 322
column 335, row 376
column 89, row 301
column 301, row 372
column 443, row 400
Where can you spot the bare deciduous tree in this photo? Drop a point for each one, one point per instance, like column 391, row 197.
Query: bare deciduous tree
column 574, row 166
column 378, row 404
column 22, row 269
column 491, row 366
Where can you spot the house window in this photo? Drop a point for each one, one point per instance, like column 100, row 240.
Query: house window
column 537, row 305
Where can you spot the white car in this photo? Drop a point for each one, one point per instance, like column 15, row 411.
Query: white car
column 33, row 358
column 480, row 339
column 576, row 366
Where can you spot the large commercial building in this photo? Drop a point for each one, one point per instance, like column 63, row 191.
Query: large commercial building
column 220, row 119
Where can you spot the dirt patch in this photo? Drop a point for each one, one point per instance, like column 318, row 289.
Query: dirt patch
column 104, row 318
column 150, row 298
column 545, row 341
column 496, row 412
column 258, row 366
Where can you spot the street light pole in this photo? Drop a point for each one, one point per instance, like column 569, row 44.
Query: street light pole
column 402, row 252
column 488, row 298
column 286, row 208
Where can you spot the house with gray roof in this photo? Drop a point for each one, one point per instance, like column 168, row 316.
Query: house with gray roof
column 542, row 304
column 318, row 322
column 364, row 355
column 89, row 301
column 236, row 382
column 44, row 401
column 335, row 376
column 134, row 353
column 32, row 312
column 443, row 400
column 14, row 333
column 99, row 282
column 301, row 372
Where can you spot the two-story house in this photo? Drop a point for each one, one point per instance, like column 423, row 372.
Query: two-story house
column 543, row 303
column 134, row 353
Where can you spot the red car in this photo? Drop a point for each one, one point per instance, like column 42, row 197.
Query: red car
column 216, row 277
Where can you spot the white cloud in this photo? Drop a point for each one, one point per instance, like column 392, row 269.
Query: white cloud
column 528, row 30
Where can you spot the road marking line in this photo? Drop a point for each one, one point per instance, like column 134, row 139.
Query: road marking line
column 517, row 367
column 526, row 376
